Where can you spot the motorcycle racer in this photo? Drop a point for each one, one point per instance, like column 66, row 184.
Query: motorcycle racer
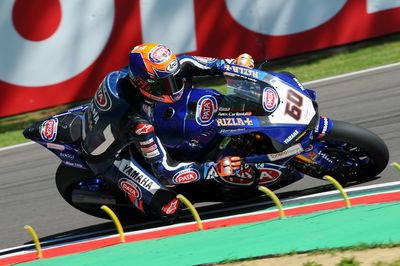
column 121, row 113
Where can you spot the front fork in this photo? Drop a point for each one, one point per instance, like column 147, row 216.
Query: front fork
column 313, row 155
column 324, row 126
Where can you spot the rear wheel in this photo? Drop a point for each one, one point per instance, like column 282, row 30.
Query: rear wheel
column 81, row 189
column 348, row 153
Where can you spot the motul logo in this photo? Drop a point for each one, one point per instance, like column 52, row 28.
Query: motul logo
column 184, row 177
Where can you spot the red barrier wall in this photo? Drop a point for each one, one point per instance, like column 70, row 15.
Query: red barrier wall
column 54, row 52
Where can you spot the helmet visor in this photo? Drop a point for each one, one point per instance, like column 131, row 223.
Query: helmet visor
column 170, row 85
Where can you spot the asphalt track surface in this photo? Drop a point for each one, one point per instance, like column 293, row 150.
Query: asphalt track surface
column 28, row 194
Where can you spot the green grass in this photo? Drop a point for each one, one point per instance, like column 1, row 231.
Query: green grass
column 349, row 262
column 11, row 127
column 336, row 61
column 306, row 67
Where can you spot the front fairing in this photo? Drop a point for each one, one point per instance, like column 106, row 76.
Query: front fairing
column 286, row 110
column 254, row 101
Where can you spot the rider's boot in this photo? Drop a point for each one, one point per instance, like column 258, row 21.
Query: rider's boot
column 164, row 205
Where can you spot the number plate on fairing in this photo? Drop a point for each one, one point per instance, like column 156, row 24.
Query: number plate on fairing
column 294, row 107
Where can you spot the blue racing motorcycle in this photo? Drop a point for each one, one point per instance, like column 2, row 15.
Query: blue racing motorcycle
column 268, row 118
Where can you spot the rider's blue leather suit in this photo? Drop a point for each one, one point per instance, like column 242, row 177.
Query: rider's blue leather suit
column 119, row 116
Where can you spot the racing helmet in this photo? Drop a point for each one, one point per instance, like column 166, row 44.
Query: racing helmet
column 155, row 71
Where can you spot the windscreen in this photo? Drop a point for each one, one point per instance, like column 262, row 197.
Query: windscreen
column 247, row 89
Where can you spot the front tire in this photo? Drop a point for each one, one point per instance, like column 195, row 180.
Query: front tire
column 348, row 153
column 368, row 143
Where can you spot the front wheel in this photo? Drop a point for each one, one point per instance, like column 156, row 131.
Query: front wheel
column 349, row 153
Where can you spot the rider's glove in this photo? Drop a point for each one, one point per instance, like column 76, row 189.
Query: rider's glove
column 229, row 166
column 245, row 60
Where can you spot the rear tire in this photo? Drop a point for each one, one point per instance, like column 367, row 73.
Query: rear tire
column 67, row 180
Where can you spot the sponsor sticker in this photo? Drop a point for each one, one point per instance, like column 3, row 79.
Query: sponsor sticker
column 75, row 164
column 309, row 148
column 54, row 146
column 207, row 106
column 270, row 99
column 286, row 153
column 269, row 175
column 131, row 188
column 291, row 136
column 231, row 131
column 143, row 129
column 212, row 173
column 234, row 113
column 147, row 142
column 67, row 156
column 298, row 83
column 172, row 66
column 151, row 154
column 234, row 121
column 325, row 127
column 241, row 70
column 149, row 148
column 159, row 54
column 322, row 127
column 171, row 207
column 48, row 131
column 204, row 59
column 101, row 99
column 186, row 176
column 137, row 175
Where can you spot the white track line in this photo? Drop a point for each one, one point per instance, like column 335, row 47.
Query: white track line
column 332, row 192
column 305, row 84
column 351, row 74
column 16, row 146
